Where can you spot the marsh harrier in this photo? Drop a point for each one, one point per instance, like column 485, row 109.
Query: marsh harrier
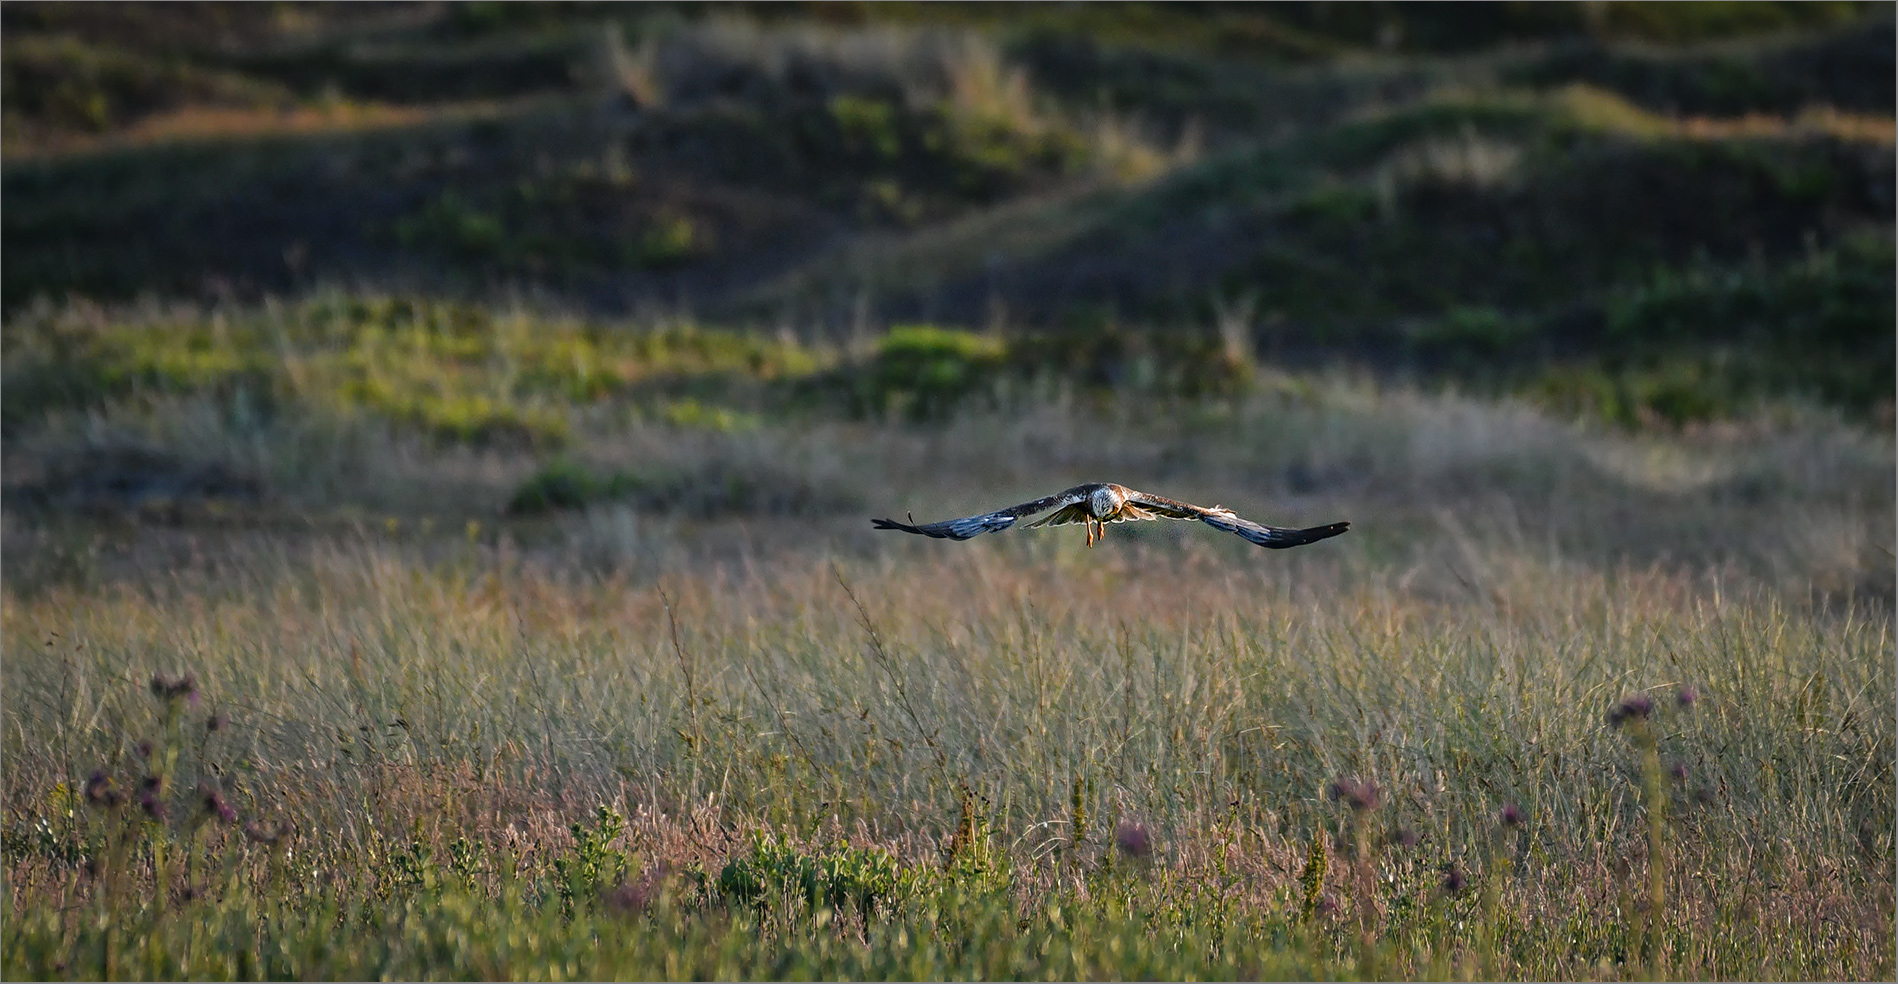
column 1099, row 503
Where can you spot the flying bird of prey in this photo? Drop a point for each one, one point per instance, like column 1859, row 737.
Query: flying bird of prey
column 1099, row 503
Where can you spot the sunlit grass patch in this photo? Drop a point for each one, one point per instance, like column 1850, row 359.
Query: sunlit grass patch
column 1604, row 111
column 459, row 373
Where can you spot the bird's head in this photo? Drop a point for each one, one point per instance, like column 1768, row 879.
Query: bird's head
column 1104, row 502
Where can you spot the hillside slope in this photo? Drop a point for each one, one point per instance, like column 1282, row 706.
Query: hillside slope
column 1698, row 199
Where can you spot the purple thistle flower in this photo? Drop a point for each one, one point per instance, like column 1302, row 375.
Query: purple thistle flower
column 256, row 833
column 1514, row 816
column 214, row 804
column 1361, row 794
column 1133, row 840
column 217, row 722
column 639, row 895
column 631, row 896
column 1453, row 881
column 152, row 804
column 102, row 792
column 1686, row 696
column 169, row 689
column 1407, row 837
column 1678, row 771
column 1636, row 707
column 144, row 749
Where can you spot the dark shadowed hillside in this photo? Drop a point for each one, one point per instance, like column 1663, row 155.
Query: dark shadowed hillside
column 1549, row 198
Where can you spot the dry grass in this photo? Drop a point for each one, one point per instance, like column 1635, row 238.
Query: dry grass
column 211, row 123
column 398, row 688
column 377, row 694
column 1598, row 109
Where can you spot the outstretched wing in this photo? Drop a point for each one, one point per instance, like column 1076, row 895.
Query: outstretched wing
column 1221, row 518
column 1001, row 519
column 1170, row 508
column 1274, row 537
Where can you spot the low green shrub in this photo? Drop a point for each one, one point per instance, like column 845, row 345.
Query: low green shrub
column 561, row 484
column 1709, row 342
column 921, row 372
column 456, row 373
column 1820, row 325
column 1103, row 357
column 839, row 877
column 924, row 373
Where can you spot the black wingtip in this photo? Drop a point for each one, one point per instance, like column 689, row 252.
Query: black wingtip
column 1325, row 532
column 1281, row 539
column 909, row 527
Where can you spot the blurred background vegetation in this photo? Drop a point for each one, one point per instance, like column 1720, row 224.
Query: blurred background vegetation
column 481, row 405
column 1645, row 214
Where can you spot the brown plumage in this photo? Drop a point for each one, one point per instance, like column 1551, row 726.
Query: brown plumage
column 1099, row 503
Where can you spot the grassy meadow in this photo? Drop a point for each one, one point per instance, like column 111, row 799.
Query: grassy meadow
column 439, row 446
column 657, row 702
